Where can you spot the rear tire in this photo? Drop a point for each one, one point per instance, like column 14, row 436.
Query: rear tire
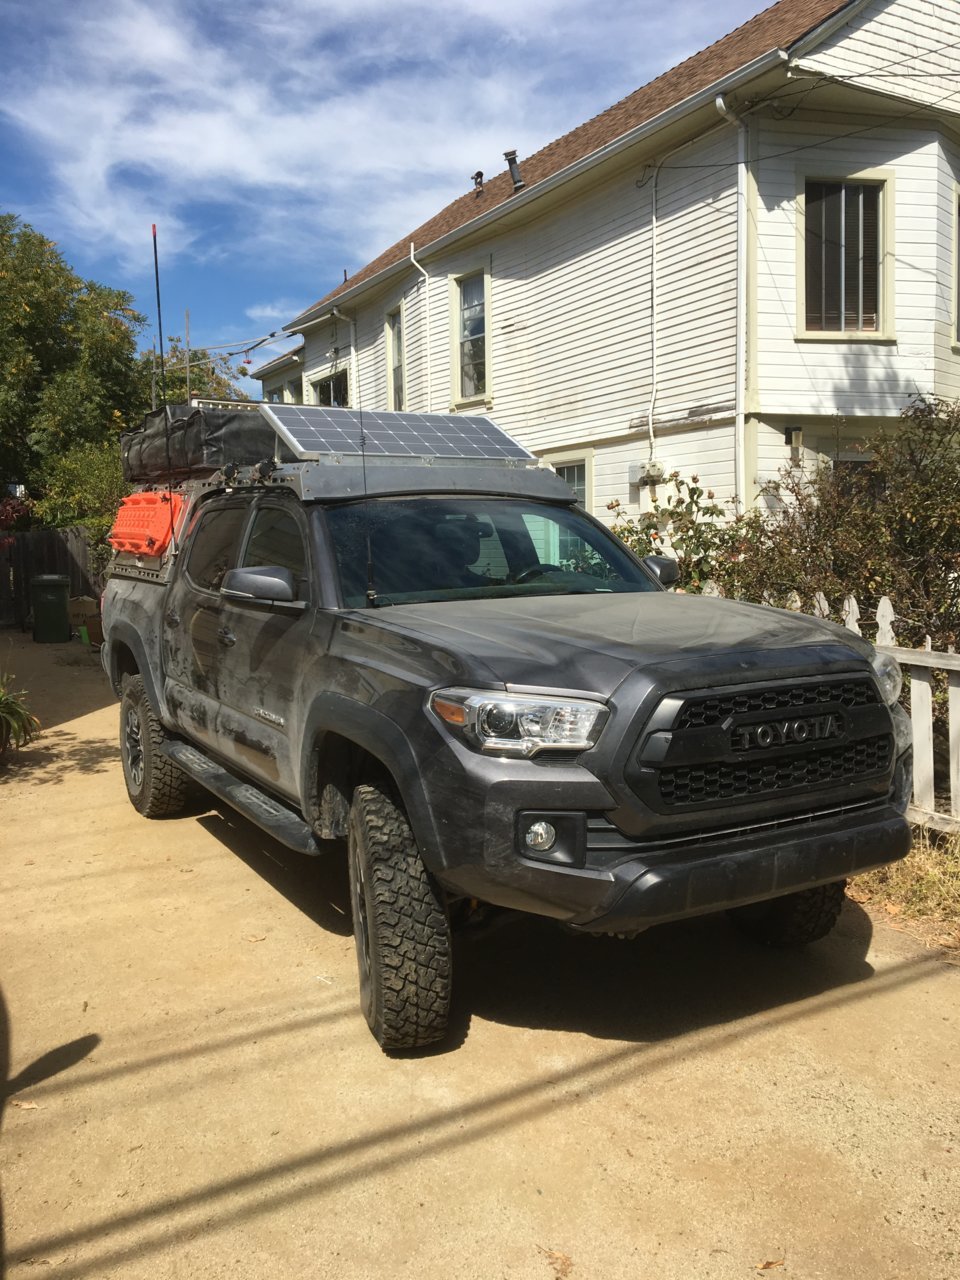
column 793, row 920
column 400, row 925
column 156, row 787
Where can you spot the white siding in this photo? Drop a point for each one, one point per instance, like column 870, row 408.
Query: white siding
column 947, row 351
column 850, row 377
column 568, row 331
column 905, row 48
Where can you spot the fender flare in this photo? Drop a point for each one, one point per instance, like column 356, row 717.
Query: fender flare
column 123, row 633
column 381, row 738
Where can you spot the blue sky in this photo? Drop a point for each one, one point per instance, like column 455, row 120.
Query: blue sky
column 275, row 146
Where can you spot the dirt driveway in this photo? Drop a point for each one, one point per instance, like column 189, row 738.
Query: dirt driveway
column 193, row 1092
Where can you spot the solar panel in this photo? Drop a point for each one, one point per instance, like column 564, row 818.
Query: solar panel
column 314, row 431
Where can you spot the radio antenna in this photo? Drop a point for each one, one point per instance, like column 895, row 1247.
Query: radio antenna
column 372, row 600
column 163, row 390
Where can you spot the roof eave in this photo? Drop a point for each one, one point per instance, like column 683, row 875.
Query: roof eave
column 749, row 71
column 289, row 358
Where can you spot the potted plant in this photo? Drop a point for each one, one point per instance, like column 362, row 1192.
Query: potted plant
column 17, row 724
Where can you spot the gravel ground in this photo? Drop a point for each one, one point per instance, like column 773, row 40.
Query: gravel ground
column 193, row 1092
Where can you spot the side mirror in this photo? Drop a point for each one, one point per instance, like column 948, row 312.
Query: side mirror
column 271, row 582
column 664, row 568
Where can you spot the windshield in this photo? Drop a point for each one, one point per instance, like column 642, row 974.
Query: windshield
column 425, row 549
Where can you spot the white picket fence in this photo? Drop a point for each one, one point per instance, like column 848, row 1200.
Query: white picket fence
column 927, row 809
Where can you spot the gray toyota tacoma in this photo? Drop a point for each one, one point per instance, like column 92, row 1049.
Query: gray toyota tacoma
column 397, row 630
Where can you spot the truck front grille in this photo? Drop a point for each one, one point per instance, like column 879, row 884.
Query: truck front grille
column 730, row 782
column 812, row 740
column 700, row 712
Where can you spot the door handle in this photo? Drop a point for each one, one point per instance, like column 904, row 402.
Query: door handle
column 172, row 617
column 226, row 637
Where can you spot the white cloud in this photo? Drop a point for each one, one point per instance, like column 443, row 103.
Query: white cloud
column 336, row 122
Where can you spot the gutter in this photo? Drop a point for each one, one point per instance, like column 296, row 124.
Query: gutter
column 427, row 335
column 354, row 363
column 766, row 62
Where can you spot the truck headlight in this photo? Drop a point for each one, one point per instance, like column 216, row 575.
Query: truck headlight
column 889, row 676
column 519, row 724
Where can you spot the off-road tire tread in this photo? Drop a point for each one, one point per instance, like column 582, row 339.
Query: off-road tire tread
column 408, row 928
column 165, row 786
column 795, row 919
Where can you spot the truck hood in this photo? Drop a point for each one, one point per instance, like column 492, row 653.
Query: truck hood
column 591, row 643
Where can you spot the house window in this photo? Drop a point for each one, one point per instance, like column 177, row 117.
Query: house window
column 395, row 358
column 575, row 475
column 842, row 250
column 472, row 334
column 332, row 391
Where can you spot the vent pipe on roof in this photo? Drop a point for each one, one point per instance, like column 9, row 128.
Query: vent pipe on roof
column 511, row 159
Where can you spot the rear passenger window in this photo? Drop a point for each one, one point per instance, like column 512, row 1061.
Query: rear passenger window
column 215, row 546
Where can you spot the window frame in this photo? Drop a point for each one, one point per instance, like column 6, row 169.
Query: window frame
column 884, row 179
column 395, row 317
column 575, row 458
column 955, row 325
column 457, row 399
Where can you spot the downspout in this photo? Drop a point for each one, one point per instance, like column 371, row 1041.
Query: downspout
column 354, row 361
column 739, row 428
column 427, row 336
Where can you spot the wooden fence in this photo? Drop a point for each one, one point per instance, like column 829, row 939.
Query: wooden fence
column 930, row 808
column 27, row 555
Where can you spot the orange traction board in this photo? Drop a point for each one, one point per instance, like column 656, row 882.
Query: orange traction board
column 145, row 523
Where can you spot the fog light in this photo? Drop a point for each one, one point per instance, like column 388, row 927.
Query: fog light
column 540, row 836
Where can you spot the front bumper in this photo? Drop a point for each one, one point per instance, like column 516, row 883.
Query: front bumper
column 626, row 885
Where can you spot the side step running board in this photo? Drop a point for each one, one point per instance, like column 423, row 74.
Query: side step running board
column 268, row 814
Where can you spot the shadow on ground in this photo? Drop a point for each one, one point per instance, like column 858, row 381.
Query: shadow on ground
column 530, row 972
column 319, row 887
column 62, row 681
column 49, row 1064
column 670, row 981
column 56, row 754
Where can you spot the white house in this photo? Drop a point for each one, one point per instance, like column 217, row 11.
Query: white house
column 281, row 379
column 747, row 260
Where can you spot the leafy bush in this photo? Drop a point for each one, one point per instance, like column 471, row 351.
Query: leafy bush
column 17, row 725
column 688, row 524
column 888, row 526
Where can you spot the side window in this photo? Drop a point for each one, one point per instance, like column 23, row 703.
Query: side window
column 215, row 545
column 275, row 539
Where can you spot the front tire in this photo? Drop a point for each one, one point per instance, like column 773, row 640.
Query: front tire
column 400, row 927
column 156, row 787
column 793, row 920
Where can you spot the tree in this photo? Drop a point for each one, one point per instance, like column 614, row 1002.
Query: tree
column 211, row 376
column 68, row 366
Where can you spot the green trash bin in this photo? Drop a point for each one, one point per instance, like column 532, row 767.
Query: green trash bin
column 49, row 598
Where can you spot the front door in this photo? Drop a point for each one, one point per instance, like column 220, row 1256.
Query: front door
column 270, row 649
column 193, row 644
